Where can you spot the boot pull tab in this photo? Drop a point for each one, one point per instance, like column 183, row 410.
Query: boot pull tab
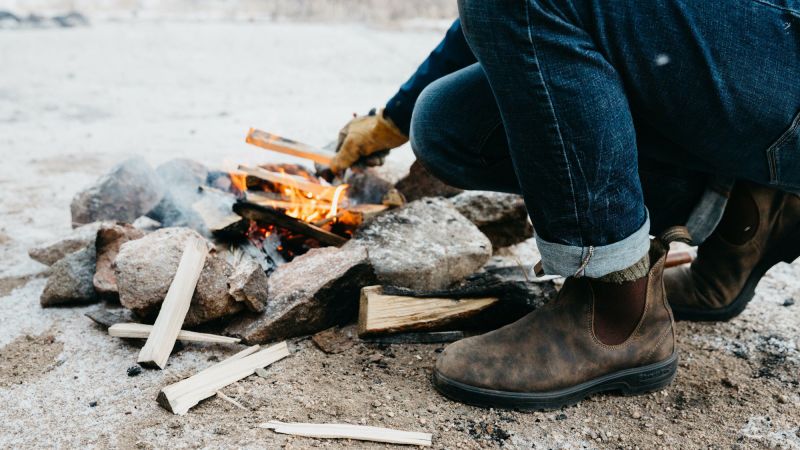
column 677, row 233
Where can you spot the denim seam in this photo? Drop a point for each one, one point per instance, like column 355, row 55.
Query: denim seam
column 780, row 8
column 555, row 118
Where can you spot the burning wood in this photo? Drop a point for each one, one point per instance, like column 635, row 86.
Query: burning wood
column 271, row 216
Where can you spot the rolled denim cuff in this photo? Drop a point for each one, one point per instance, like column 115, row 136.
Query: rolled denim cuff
column 594, row 262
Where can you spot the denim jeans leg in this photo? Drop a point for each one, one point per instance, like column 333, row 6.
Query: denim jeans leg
column 457, row 133
column 570, row 132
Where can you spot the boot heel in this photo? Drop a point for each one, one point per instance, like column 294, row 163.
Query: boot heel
column 651, row 378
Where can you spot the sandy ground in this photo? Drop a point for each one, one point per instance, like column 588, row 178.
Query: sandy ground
column 74, row 102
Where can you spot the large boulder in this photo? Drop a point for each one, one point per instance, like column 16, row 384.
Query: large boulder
column 502, row 217
column 426, row 244
column 78, row 239
column 110, row 238
column 70, row 280
column 129, row 190
column 419, row 183
column 145, row 267
column 312, row 293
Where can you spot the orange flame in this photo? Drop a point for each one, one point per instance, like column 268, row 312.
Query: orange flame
column 239, row 181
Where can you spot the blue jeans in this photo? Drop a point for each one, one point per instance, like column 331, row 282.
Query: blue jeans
column 592, row 109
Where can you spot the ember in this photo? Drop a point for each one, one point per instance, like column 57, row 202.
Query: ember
column 314, row 212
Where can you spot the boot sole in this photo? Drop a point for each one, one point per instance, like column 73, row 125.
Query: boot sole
column 635, row 381
column 781, row 253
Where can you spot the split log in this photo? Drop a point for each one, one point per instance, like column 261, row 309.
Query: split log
column 279, row 144
column 494, row 282
column 176, row 304
column 357, row 213
column 270, row 216
column 181, row 396
column 142, row 331
column 346, row 431
column 387, row 314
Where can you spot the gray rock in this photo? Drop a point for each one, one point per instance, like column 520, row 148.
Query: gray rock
column 70, row 280
column 503, row 218
column 426, row 244
column 129, row 190
column 312, row 293
column 110, row 238
column 144, row 269
column 419, row 183
column 248, row 284
column 78, row 239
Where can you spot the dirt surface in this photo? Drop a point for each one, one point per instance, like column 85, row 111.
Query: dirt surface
column 73, row 102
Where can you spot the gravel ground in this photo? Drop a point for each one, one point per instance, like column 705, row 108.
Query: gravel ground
column 74, row 102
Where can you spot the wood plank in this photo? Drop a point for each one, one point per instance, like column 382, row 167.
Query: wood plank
column 271, row 216
column 181, row 396
column 388, row 314
column 175, row 306
column 269, row 141
column 347, row 431
column 142, row 331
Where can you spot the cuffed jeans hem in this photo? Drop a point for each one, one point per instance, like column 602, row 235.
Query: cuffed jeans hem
column 594, row 262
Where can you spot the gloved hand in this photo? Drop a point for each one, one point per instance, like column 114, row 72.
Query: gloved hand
column 364, row 136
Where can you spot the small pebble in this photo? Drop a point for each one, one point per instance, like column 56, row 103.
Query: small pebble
column 92, row 404
column 636, row 415
column 659, row 433
column 134, row 370
column 390, row 414
column 422, row 421
column 561, row 416
column 261, row 372
column 788, row 302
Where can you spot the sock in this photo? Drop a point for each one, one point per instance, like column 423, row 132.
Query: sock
column 619, row 301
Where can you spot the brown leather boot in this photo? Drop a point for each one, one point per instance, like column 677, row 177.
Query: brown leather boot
column 722, row 280
column 552, row 357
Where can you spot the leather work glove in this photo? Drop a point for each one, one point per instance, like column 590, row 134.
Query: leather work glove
column 365, row 136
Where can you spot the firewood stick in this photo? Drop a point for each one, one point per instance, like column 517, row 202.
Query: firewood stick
column 270, row 216
column 183, row 395
column 175, row 306
column 279, row 144
column 318, row 190
column 388, row 314
column 347, row 431
column 142, row 331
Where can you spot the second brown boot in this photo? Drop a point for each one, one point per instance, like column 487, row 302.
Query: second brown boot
column 553, row 356
column 760, row 228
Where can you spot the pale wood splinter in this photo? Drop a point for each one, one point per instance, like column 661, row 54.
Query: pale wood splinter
column 142, row 331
